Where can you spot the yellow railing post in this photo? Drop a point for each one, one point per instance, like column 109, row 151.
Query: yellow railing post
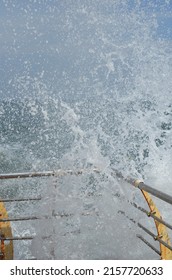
column 6, row 246
column 166, row 254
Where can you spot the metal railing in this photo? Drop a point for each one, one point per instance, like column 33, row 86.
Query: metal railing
column 6, row 250
column 142, row 186
column 162, row 235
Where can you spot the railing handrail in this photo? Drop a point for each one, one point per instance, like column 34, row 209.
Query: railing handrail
column 59, row 172
column 142, row 186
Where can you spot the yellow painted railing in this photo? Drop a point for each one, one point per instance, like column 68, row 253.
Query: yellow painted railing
column 6, row 244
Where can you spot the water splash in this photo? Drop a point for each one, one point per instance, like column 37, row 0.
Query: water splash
column 93, row 88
